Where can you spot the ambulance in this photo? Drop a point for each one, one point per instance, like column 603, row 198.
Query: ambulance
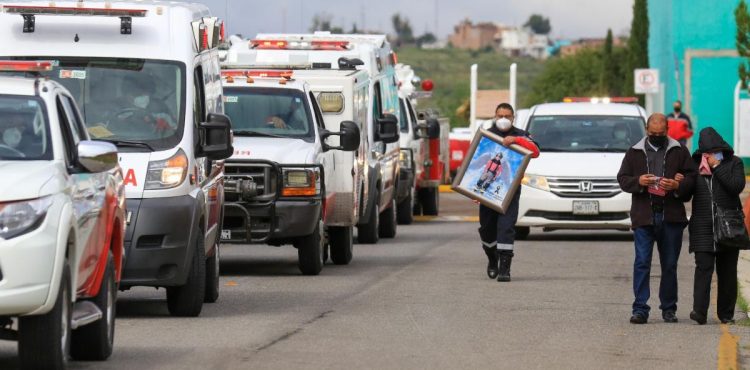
column 146, row 78
column 373, row 54
column 283, row 182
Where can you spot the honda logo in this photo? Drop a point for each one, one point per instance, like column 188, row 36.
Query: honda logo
column 586, row 187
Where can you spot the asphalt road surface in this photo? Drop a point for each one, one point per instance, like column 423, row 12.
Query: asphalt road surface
column 420, row 301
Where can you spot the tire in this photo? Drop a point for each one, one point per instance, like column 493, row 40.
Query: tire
column 94, row 341
column 187, row 300
column 368, row 233
column 405, row 211
column 388, row 221
column 310, row 251
column 212, row 276
column 341, row 240
column 44, row 340
column 522, row 232
column 429, row 198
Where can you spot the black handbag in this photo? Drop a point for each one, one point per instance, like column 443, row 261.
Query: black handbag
column 729, row 225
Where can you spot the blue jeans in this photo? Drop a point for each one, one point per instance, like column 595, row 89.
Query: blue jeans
column 668, row 238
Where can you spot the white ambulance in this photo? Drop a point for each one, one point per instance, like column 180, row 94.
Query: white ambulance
column 280, row 181
column 371, row 53
column 146, row 77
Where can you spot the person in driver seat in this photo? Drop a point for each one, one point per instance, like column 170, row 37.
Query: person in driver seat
column 139, row 92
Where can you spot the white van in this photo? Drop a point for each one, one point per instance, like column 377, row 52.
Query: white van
column 281, row 180
column 573, row 184
column 373, row 54
column 146, row 78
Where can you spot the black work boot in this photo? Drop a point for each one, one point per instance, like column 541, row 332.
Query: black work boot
column 492, row 263
column 504, row 257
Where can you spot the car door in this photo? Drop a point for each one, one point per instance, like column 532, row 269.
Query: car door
column 87, row 199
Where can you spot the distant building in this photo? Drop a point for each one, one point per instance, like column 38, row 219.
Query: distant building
column 467, row 35
column 693, row 47
column 487, row 101
column 584, row 44
column 512, row 41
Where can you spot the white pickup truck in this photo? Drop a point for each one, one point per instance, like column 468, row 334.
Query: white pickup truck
column 62, row 224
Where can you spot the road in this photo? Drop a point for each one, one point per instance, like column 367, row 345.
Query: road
column 419, row 301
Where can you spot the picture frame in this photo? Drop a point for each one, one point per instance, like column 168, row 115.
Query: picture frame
column 491, row 184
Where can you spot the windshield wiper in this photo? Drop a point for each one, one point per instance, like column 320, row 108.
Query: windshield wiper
column 256, row 133
column 129, row 143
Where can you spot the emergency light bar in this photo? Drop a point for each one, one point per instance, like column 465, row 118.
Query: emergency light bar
column 604, row 100
column 330, row 45
column 26, row 65
column 29, row 11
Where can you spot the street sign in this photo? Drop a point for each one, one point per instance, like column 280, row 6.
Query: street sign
column 646, row 81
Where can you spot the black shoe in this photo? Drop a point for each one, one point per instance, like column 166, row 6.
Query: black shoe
column 504, row 258
column 700, row 319
column 669, row 317
column 727, row 321
column 492, row 261
column 638, row 318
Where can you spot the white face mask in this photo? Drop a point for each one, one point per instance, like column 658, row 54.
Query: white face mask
column 141, row 101
column 12, row 137
column 503, row 124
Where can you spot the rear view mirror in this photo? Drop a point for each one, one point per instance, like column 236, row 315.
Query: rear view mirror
column 388, row 130
column 348, row 137
column 97, row 156
column 216, row 137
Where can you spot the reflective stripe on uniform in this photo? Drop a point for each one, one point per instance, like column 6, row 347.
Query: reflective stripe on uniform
column 505, row 247
column 489, row 245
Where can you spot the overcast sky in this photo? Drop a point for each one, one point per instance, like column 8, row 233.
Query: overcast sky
column 569, row 18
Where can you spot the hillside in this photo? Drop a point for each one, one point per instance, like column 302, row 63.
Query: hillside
column 449, row 69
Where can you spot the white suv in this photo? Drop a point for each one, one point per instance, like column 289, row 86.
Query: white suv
column 573, row 183
column 62, row 224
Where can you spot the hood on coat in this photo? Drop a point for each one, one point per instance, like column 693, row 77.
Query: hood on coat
column 710, row 141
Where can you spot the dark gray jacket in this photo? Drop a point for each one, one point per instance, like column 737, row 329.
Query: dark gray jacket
column 727, row 182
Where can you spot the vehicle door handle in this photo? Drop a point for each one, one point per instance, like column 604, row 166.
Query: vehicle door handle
column 101, row 187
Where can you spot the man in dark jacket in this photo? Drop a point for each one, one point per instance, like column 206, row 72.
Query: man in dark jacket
column 721, row 180
column 659, row 174
column 497, row 230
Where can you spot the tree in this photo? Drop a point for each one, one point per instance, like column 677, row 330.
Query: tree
column 427, row 38
column 354, row 30
column 404, row 33
column 609, row 66
column 321, row 22
column 638, row 42
column 538, row 24
column 742, row 17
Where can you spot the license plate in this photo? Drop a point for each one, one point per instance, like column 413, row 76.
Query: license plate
column 226, row 234
column 585, row 207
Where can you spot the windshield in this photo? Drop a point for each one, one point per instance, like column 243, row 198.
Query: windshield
column 24, row 130
column 259, row 111
column 126, row 99
column 586, row 133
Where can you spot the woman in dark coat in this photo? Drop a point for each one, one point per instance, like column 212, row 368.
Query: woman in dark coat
column 722, row 174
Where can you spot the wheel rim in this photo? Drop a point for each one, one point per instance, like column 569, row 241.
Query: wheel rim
column 110, row 310
column 65, row 324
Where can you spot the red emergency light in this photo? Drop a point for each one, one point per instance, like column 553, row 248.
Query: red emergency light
column 55, row 10
column 26, row 65
column 428, row 85
column 605, row 100
column 330, row 45
column 285, row 74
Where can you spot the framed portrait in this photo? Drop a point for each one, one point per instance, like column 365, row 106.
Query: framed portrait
column 491, row 172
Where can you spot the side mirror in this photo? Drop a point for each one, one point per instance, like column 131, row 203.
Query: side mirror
column 388, row 130
column 348, row 137
column 216, row 137
column 97, row 156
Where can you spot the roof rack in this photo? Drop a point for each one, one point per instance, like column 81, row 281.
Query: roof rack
column 28, row 12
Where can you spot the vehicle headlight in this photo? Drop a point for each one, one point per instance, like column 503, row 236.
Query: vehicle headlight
column 168, row 173
column 405, row 158
column 18, row 218
column 300, row 183
column 535, row 181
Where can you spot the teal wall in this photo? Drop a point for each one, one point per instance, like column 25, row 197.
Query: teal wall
column 681, row 25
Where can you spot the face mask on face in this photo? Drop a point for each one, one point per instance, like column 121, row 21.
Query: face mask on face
column 677, row 109
column 620, row 135
column 657, row 141
column 503, row 124
column 12, row 137
column 141, row 101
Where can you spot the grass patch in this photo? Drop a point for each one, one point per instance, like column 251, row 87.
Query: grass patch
column 449, row 69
